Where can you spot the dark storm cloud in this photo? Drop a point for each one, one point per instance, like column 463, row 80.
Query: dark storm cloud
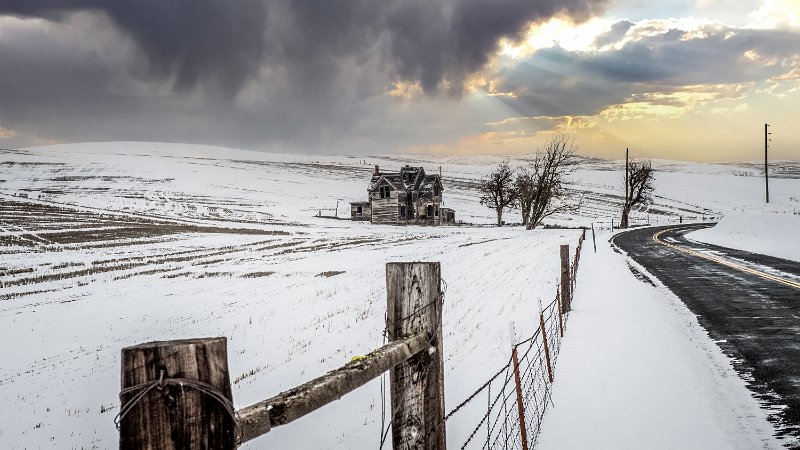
column 557, row 82
column 434, row 42
column 302, row 73
column 194, row 41
column 225, row 42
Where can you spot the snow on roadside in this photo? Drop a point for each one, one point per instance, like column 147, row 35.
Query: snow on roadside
column 770, row 231
column 637, row 371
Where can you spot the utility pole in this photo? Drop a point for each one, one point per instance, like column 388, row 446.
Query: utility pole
column 766, row 169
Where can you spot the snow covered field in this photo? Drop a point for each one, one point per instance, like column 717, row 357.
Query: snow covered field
column 113, row 244
column 769, row 230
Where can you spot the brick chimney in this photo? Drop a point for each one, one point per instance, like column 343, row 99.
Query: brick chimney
column 377, row 170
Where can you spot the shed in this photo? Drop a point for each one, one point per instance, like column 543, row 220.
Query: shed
column 360, row 211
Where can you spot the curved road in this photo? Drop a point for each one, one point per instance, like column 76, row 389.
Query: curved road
column 749, row 303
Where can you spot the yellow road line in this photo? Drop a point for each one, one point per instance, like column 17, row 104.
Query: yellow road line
column 724, row 262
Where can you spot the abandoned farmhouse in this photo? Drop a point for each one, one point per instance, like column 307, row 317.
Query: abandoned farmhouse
column 403, row 198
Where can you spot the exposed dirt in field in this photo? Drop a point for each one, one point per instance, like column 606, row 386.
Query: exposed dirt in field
column 130, row 246
column 35, row 224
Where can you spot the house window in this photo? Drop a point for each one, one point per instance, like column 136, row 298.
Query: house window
column 385, row 191
column 358, row 210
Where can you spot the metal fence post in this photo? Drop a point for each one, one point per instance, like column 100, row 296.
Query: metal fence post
column 565, row 279
column 520, row 407
column 544, row 340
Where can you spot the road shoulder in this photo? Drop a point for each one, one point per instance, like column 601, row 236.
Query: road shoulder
column 638, row 371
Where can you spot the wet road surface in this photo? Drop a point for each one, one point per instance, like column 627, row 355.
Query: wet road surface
column 749, row 303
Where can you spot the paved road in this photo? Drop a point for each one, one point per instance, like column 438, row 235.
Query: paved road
column 748, row 302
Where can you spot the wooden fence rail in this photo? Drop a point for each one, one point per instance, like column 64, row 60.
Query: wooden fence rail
column 256, row 420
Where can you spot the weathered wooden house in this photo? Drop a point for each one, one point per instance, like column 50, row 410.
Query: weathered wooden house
column 406, row 197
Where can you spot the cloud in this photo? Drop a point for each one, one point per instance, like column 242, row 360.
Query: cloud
column 776, row 13
column 251, row 72
column 615, row 34
column 198, row 42
column 556, row 82
column 191, row 42
column 347, row 75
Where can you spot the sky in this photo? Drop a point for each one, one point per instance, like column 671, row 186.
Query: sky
column 675, row 79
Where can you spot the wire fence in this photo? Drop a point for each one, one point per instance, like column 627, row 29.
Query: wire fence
column 644, row 219
column 517, row 396
column 505, row 412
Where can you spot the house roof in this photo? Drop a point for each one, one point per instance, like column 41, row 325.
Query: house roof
column 408, row 178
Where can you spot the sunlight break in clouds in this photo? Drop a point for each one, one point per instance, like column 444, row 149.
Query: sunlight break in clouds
column 659, row 74
column 776, row 14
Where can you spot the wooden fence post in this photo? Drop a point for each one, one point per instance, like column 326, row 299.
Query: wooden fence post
column 593, row 242
column 565, row 279
column 176, row 395
column 414, row 304
column 520, row 407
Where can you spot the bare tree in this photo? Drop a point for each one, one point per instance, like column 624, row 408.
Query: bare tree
column 541, row 191
column 498, row 191
column 525, row 184
column 639, row 187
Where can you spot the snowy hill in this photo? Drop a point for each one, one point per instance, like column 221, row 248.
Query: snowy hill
column 111, row 244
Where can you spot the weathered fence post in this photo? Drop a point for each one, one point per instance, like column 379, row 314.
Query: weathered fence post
column 414, row 304
column 565, row 279
column 593, row 242
column 520, row 407
column 176, row 395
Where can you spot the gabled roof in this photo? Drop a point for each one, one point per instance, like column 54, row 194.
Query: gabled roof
column 388, row 178
column 408, row 178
